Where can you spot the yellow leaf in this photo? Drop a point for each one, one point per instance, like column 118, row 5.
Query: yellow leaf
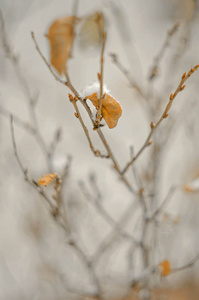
column 165, row 268
column 111, row 109
column 47, row 179
column 61, row 37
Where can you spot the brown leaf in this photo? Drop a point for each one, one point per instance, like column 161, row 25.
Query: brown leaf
column 61, row 37
column 165, row 268
column 47, row 179
column 111, row 109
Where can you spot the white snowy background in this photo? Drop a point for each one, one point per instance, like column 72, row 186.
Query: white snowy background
column 34, row 260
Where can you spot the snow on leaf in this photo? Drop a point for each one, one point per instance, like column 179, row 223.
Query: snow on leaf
column 47, row 179
column 93, row 88
column 111, row 109
column 61, row 37
column 165, row 268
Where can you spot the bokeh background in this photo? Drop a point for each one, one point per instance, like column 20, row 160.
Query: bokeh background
column 35, row 262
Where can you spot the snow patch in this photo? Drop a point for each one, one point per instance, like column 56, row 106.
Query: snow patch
column 93, row 88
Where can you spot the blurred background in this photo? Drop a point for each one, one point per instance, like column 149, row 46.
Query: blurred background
column 36, row 260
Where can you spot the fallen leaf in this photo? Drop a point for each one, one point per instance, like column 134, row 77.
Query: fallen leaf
column 111, row 109
column 47, row 179
column 61, row 37
column 165, row 268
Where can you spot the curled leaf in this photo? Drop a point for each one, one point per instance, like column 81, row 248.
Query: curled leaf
column 111, row 109
column 47, row 179
column 61, row 37
column 165, row 268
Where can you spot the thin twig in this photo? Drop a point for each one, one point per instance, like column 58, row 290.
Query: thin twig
column 47, row 64
column 101, row 76
column 126, row 73
column 165, row 201
column 113, row 236
column 190, row 264
column 5, row 43
column 23, row 124
column 78, row 115
column 24, row 170
column 22, row 80
column 88, row 263
column 164, row 115
column 160, row 55
column 54, row 143
column 106, row 216
column 75, row 7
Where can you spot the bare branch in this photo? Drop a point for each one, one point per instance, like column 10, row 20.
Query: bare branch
column 23, row 124
column 164, row 115
column 55, row 141
column 114, row 235
column 106, row 216
column 126, row 73
column 160, row 55
column 188, row 265
column 31, row 102
column 165, row 201
column 25, row 172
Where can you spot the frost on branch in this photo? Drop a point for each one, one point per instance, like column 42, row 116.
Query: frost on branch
column 61, row 37
column 111, row 109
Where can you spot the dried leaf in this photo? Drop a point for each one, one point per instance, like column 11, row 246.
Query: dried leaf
column 47, row 179
column 165, row 268
column 111, row 109
column 90, row 34
column 61, row 37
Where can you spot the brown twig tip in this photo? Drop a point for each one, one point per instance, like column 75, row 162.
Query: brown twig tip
column 195, row 68
column 184, row 75
column 192, row 71
column 171, row 97
column 71, row 98
column 182, row 88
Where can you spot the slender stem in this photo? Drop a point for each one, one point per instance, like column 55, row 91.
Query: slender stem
column 99, row 111
column 25, row 172
column 160, row 55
